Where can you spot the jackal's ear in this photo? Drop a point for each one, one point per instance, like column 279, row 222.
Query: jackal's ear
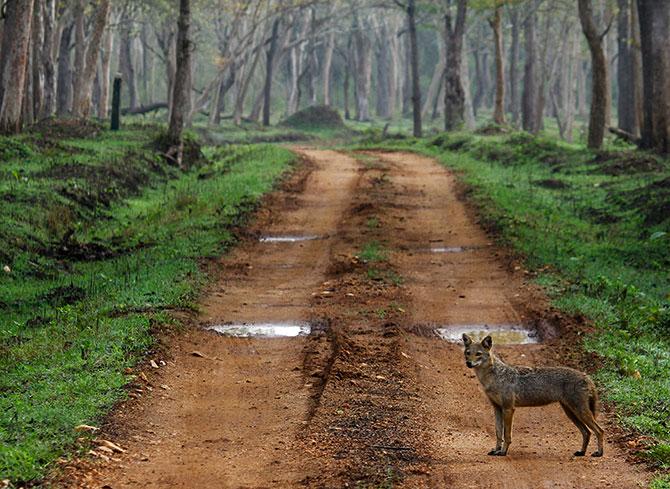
column 467, row 341
column 487, row 342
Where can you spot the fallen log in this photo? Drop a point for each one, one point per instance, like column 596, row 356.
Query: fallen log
column 144, row 109
column 626, row 136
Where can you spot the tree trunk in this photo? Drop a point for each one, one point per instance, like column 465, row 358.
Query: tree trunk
column 82, row 99
column 414, row 62
column 626, row 104
column 14, row 72
column 600, row 97
column 514, row 61
column 269, row 65
column 454, row 94
column 529, row 100
column 64, row 93
column 126, row 65
column 499, row 108
column 363, row 72
column 244, row 85
column 79, row 49
column 435, row 81
column 7, row 40
column 385, row 74
column 654, row 19
column 327, row 68
column 37, row 57
column 182, row 88
column 48, row 59
column 105, row 73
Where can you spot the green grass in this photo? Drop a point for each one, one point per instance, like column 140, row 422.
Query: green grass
column 596, row 226
column 71, row 325
column 373, row 252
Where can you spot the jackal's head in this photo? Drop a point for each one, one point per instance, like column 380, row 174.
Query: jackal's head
column 477, row 354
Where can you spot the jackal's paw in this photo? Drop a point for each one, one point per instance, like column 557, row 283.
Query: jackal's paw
column 580, row 453
column 496, row 452
column 599, row 453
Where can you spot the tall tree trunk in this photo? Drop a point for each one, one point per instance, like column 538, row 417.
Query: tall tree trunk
column 37, row 57
column 600, row 98
column 454, row 94
column 514, row 61
column 407, row 77
column 269, row 65
column 363, row 71
column 385, row 74
column 64, row 94
column 105, row 73
column 244, row 86
column 48, row 59
column 626, row 103
column 82, row 99
column 326, row 73
column 436, row 80
column 499, row 107
column 414, row 62
column 529, row 100
column 636, row 64
column 182, row 87
column 654, row 19
column 126, row 65
column 79, row 48
column 7, row 40
column 14, row 70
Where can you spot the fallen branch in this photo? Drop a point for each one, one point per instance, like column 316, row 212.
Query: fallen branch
column 144, row 109
column 626, row 136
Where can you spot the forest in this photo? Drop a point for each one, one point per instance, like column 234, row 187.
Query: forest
column 215, row 211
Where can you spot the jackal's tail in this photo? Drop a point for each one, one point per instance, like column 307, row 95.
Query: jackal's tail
column 594, row 404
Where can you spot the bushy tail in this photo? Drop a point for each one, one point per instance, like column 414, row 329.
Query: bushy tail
column 594, row 404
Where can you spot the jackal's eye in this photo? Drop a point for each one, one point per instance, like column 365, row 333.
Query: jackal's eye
column 479, row 354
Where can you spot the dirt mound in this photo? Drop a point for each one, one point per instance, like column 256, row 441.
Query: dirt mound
column 652, row 201
column 67, row 128
column 627, row 162
column 315, row 117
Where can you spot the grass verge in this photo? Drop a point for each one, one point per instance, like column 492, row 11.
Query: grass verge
column 596, row 226
column 101, row 240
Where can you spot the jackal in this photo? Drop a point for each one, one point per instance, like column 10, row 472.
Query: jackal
column 509, row 387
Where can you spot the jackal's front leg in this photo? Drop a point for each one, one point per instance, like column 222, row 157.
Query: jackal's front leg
column 508, row 416
column 499, row 430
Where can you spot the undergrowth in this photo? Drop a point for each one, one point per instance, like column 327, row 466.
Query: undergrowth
column 101, row 240
column 596, row 226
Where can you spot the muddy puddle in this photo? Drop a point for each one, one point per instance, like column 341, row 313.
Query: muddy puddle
column 262, row 330
column 451, row 249
column 287, row 239
column 501, row 334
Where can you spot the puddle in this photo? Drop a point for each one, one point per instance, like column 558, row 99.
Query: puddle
column 501, row 334
column 287, row 239
column 448, row 249
column 262, row 330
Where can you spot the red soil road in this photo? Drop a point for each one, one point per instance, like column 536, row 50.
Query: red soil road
column 376, row 394
column 475, row 287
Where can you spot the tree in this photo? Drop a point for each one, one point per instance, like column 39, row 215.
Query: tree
column 655, row 43
column 454, row 95
column 600, row 86
column 414, row 62
column 19, row 16
column 627, row 77
column 82, row 97
column 495, row 22
column 182, row 87
column 530, row 93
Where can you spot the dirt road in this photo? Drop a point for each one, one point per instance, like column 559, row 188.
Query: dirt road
column 372, row 397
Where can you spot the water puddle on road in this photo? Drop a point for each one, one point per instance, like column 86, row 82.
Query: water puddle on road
column 262, row 330
column 501, row 334
column 287, row 239
column 448, row 249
